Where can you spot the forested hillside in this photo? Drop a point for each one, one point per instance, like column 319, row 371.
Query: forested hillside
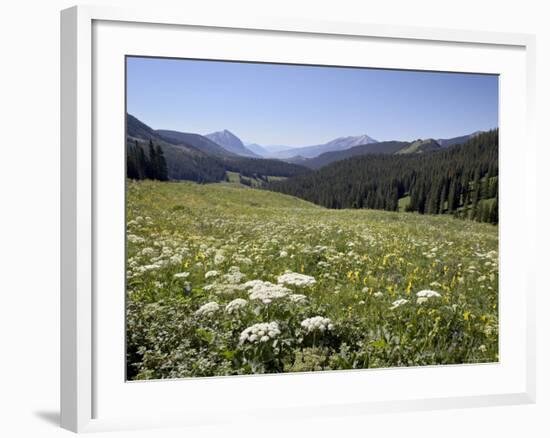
column 192, row 157
column 461, row 180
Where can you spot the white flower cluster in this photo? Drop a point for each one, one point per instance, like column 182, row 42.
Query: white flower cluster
column 181, row 275
column 243, row 260
column 208, row 309
column 219, row 258
column 235, row 305
column 297, row 298
column 151, row 267
column 253, row 283
column 425, row 295
column 234, row 275
column 398, row 303
column 135, row 239
column 211, row 274
column 265, row 291
column 147, row 251
column 261, row 332
column 317, row 323
column 295, row 279
column 176, row 259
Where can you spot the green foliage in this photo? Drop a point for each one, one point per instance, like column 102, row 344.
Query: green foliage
column 189, row 245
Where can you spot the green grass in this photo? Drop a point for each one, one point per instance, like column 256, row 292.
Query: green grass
column 233, row 177
column 403, row 202
column 362, row 261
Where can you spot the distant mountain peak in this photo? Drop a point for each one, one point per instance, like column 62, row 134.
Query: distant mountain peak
column 230, row 142
column 352, row 140
column 338, row 144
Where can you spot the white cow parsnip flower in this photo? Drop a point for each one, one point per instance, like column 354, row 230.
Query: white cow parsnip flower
column 425, row 295
column 317, row 323
column 211, row 274
column 260, row 333
column 235, row 305
column 295, row 279
column 265, row 291
column 398, row 303
column 208, row 309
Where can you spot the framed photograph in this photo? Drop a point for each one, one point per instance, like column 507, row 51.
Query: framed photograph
column 282, row 218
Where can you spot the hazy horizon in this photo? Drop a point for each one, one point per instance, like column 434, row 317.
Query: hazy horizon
column 296, row 106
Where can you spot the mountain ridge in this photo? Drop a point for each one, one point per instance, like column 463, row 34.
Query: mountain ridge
column 420, row 146
column 447, row 180
column 340, row 143
column 199, row 141
column 385, row 147
column 230, row 142
column 198, row 162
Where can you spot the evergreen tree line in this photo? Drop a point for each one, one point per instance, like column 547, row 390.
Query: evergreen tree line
column 461, row 180
column 171, row 162
column 140, row 165
column 262, row 167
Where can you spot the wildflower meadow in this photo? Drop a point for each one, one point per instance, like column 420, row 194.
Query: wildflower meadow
column 224, row 279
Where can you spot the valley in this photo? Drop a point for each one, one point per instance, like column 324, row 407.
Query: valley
column 456, row 176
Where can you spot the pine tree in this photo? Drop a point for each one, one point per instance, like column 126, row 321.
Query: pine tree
column 443, row 198
column 143, row 163
column 152, row 170
column 486, row 188
column 452, row 199
column 162, row 168
column 131, row 164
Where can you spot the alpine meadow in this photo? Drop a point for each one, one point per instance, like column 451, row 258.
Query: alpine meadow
column 310, row 245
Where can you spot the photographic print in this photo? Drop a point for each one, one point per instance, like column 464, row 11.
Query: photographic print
column 296, row 218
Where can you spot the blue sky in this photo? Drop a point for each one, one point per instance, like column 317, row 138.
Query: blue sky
column 274, row 104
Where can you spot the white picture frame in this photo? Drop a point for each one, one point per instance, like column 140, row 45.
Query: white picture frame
column 87, row 379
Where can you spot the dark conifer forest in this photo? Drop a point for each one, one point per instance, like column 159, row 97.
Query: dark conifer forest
column 146, row 166
column 460, row 180
column 197, row 166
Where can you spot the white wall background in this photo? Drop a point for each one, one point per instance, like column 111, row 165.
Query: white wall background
column 29, row 215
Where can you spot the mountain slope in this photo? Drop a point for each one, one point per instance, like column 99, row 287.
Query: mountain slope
column 449, row 180
column 385, row 147
column 274, row 149
column 135, row 128
column 338, row 144
column 198, row 141
column 184, row 163
column 419, row 146
column 230, row 142
column 203, row 161
column 258, row 149
column 446, row 142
